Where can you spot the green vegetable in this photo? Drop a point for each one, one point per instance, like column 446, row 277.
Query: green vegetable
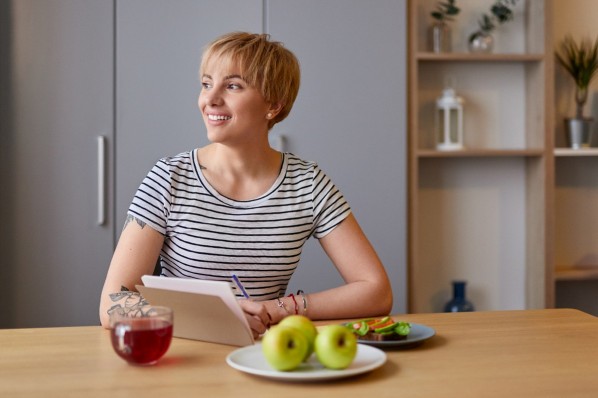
column 402, row 328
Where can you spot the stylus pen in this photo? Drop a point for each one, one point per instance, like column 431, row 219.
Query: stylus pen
column 240, row 286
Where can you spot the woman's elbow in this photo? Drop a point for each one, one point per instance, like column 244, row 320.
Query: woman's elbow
column 385, row 303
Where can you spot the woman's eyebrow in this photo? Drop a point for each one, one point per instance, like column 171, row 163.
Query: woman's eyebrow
column 228, row 77
column 234, row 77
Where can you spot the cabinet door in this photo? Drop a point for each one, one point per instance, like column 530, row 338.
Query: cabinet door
column 350, row 117
column 61, row 100
column 159, row 45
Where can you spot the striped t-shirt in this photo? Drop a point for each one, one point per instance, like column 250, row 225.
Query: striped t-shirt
column 209, row 236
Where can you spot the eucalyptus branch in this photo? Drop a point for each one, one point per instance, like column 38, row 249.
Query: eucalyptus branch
column 445, row 11
column 500, row 12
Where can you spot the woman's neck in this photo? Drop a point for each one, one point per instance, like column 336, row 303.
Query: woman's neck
column 239, row 175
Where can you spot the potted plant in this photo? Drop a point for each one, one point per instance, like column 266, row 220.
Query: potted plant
column 500, row 12
column 440, row 34
column 580, row 60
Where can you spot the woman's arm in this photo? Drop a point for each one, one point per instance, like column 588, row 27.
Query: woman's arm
column 135, row 255
column 367, row 291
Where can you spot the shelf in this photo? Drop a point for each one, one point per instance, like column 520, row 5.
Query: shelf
column 576, row 273
column 431, row 153
column 471, row 209
column 467, row 57
column 564, row 152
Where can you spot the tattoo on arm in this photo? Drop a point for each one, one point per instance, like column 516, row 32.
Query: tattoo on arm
column 131, row 303
column 130, row 218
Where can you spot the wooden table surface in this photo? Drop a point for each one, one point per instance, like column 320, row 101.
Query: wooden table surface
column 537, row 353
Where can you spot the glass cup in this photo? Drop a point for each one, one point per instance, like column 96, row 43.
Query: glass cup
column 142, row 339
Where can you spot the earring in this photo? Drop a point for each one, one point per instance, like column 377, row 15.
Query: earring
column 269, row 115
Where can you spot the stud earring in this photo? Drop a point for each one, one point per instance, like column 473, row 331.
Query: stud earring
column 269, row 115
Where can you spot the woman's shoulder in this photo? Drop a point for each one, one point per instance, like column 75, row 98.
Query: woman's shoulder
column 183, row 160
column 295, row 161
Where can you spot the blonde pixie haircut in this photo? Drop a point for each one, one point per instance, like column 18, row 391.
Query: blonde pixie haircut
column 264, row 64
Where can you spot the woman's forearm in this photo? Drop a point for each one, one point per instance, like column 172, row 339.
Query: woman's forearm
column 129, row 302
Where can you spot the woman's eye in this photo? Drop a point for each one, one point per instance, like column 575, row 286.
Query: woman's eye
column 234, row 86
column 206, row 85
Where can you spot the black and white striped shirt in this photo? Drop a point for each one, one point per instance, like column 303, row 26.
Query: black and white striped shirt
column 210, row 236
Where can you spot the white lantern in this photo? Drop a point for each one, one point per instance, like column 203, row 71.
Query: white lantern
column 449, row 121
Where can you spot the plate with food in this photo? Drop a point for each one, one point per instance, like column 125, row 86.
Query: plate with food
column 251, row 360
column 295, row 350
column 387, row 332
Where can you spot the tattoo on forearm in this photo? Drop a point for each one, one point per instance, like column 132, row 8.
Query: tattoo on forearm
column 131, row 303
column 130, row 218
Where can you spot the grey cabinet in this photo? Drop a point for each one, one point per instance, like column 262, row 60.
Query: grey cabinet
column 350, row 117
column 60, row 96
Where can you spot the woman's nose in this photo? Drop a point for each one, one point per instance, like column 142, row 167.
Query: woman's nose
column 212, row 96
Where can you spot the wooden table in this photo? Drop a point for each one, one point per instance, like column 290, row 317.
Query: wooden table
column 540, row 353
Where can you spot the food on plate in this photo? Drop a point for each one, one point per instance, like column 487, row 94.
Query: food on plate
column 305, row 326
column 290, row 343
column 284, row 347
column 336, row 346
column 379, row 329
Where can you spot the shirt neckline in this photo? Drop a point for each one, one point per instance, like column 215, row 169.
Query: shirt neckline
column 239, row 203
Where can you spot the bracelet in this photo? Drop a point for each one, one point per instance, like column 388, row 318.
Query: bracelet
column 280, row 304
column 304, row 299
column 294, row 301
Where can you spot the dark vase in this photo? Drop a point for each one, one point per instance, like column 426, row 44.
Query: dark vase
column 459, row 302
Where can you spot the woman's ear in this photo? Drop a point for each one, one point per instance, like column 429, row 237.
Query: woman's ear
column 275, row 109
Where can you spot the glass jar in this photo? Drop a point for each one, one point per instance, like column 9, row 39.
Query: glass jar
column 481, row 42
column 440, row 37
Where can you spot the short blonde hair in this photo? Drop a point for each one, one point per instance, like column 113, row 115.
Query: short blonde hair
column 266, row 65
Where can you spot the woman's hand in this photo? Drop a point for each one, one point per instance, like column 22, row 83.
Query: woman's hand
column 257, row 316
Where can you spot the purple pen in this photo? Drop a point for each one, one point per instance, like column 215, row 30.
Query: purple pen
column 240, row 286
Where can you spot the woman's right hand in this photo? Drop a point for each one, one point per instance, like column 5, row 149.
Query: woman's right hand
column 257, row 316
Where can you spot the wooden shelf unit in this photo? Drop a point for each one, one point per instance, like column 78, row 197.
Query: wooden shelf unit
column 483, row 213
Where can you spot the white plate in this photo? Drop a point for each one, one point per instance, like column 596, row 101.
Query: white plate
column 417, row 334
column 251, row 360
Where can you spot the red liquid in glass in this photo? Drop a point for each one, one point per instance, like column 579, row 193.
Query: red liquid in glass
column 146, row 341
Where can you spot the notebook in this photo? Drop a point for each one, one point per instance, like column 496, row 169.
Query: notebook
column 203, row 310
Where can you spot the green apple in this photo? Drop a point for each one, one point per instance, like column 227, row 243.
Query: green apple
column 336, row 346
column 284, row 347
column 305, row 325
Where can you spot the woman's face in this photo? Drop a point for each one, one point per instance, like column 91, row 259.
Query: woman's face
column 232, row 110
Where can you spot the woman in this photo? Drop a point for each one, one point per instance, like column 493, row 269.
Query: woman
column 239, row 207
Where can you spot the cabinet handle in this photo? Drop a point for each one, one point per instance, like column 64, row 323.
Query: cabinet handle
column 101, row 179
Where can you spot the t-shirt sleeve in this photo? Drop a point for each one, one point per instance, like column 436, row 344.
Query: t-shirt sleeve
column 330, row 206
column 151, row 203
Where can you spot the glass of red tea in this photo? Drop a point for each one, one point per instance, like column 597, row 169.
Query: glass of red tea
column 143, row 338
